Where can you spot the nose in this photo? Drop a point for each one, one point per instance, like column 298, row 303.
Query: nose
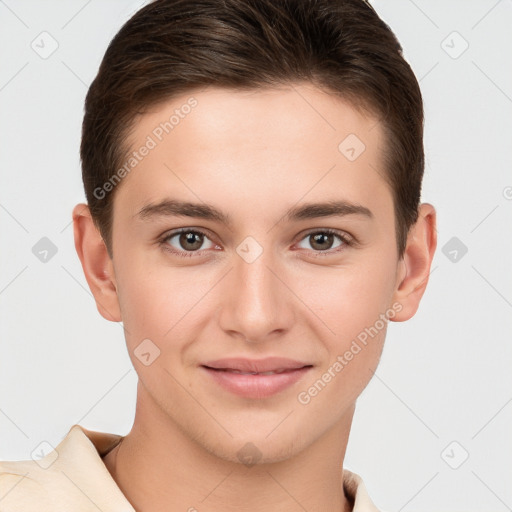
column 257, row 304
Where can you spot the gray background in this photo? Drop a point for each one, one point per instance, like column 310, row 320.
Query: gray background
column 443, row 389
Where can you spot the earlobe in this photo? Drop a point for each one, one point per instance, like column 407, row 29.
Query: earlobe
column 415, row 267
column 96, row 263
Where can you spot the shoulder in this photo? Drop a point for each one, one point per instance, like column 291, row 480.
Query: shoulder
column 22, row 487
column 355, row 489
column 70, row 477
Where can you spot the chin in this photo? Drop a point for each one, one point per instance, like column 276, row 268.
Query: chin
column 255, row 450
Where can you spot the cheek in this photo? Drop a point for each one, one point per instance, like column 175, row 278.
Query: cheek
column 352, row 298
column 162, row 303
column 355, row 307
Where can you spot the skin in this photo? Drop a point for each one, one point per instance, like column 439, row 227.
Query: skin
column 252, row 155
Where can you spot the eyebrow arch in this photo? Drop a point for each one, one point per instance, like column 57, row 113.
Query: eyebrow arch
column 173, row 207
column 327, row 209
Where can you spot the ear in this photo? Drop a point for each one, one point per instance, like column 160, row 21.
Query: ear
column 414, row 268
column 96, row 263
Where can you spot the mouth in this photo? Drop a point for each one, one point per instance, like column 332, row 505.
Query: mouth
column 255, row 366
column 271, row 372
column 256, row 379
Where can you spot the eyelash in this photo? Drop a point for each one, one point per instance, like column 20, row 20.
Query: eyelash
column 347, row 242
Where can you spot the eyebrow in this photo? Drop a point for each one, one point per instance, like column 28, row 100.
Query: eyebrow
column 173, row 207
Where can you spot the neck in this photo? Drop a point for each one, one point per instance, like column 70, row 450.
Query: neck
column 184, row 476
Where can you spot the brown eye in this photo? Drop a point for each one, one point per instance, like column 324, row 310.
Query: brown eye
column 325, row 241
column 321, row 241
column 186, row 240
column 190, row 240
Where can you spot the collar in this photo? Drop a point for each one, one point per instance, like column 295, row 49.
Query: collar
column 77, row 479
column 353, row 484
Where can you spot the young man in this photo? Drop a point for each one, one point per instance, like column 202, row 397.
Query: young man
column 253, row 174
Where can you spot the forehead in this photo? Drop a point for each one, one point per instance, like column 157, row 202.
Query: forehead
column 287, row 142
column 290, row 113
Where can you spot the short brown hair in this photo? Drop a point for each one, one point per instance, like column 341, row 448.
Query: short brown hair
column 170, row 47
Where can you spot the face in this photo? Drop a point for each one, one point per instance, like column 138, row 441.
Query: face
column 255, row 270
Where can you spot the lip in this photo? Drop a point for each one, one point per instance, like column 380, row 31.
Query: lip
column 255, row 385
column 256, row 365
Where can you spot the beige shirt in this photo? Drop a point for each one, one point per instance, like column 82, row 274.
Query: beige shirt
column 74, row 478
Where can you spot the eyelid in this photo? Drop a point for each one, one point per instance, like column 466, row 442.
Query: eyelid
column 347, row 241
column 343, row 235
column 162, row 240
column 172, row 232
